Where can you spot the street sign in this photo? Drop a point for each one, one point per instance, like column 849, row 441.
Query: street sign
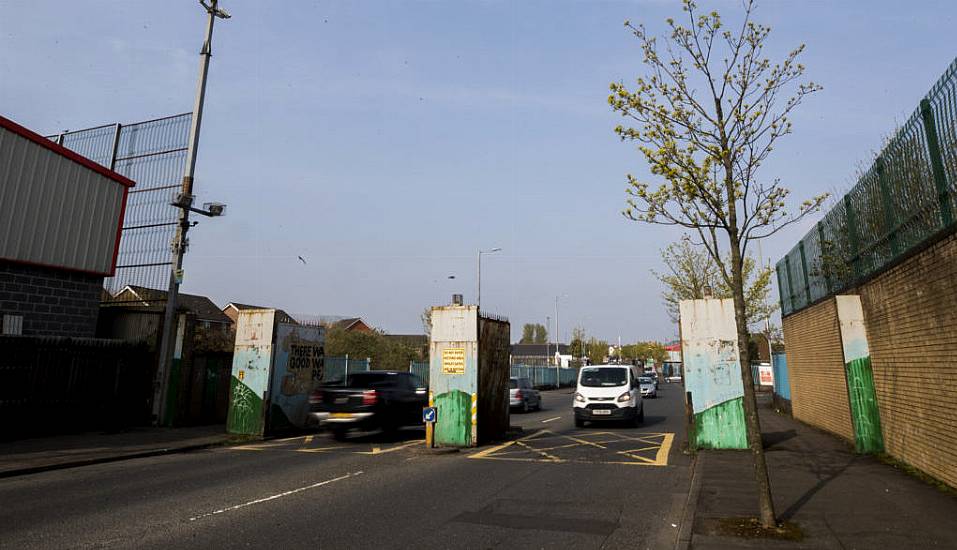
column 428, row 414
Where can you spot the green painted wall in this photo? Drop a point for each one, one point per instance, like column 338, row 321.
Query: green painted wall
column 722, row 426
column 454, row 419
column 245, row 410
column 864, row 412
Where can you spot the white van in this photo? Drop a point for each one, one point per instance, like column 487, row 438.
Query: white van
column 608, row 392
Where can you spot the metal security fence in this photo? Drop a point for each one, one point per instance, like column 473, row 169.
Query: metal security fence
column 420, row 369
column 906, row 199
column 541, row 377
column 338, row 368
column 545, row 377
column 151, row 153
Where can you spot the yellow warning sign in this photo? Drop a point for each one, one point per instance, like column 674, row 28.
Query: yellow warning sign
column 453, row 361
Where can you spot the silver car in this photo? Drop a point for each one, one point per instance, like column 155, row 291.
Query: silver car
column 522, row 395
column 648, row 386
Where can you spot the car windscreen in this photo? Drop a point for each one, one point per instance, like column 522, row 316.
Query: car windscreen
column 599, row 377
column 512, row 383
column 646, row 380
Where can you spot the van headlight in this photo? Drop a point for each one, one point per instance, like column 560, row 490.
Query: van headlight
column 625, row 397
column 579, row 397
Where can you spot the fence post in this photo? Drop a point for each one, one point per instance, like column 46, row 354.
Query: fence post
column 807, row 279
column 825, row 268
column 890, row 220
column 787, row 266
column 368, row 363
column 345, row 375
column 936, row 162
column 852, row 238
column 410, row 366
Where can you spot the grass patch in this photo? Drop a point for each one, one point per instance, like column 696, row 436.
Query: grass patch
column 750, row 528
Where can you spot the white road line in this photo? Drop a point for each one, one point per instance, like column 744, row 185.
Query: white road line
column 550, row 419
column 273, row 497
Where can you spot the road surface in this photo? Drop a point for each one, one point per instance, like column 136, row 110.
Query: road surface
column 555, row 486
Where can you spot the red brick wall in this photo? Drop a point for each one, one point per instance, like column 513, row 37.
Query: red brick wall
column 911, row 317
column 812, row 341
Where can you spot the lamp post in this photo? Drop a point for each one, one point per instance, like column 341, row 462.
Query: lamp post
column 480, row 252
column 184, row 202
column 558, row 342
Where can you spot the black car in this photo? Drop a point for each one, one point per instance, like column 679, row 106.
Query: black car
column 369, row 400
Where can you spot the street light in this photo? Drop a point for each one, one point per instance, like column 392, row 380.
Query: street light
column 558, row 342
column 480, row 252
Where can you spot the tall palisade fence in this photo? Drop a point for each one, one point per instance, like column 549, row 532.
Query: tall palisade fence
column 153, row 154
column 906, row 200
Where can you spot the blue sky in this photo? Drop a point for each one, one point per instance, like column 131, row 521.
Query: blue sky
column 386, row 142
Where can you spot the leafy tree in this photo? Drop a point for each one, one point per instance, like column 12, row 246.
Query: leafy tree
column 577, row 344
column 385, row 353
column 691, row 273
column 596, row 350
column 534, row 333
column 708, row 114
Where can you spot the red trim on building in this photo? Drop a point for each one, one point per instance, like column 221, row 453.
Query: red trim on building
column 58, row 267
column 119, row 232
column 63, row 151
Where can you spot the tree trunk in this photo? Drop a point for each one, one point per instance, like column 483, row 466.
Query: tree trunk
column 765, row 503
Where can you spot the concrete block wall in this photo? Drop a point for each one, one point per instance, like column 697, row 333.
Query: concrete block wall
column 53, row 302
column 815, row 361
column 911, row 317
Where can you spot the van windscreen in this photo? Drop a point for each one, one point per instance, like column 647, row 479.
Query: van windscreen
column 599, row 377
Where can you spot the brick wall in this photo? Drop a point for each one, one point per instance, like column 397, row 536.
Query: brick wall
column 52, row 302
column 815, row 362
column 911, row 317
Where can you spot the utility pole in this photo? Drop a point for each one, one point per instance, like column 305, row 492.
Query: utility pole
column 184, row 202
column 558, row 350
column 548, row 347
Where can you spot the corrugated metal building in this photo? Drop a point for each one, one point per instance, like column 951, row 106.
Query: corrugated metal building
column 60, row 221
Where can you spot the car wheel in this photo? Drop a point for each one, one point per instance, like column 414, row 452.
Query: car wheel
column 579, row 423
column 524, row 406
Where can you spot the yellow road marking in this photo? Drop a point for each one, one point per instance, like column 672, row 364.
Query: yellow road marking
column 307, row 440
column 661, row 442
column 379, row 451
column 539, row 451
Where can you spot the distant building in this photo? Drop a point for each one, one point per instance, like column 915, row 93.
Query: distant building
column 353, row 324
column 232, row 310
column 541, row 354
column 60, row 221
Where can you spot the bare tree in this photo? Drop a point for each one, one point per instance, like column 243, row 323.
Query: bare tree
column 707, row 115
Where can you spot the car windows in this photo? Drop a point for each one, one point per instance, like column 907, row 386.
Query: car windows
column 602, row 377
column 374, row 380
column 512, row 383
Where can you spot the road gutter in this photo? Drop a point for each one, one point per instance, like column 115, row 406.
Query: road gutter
column 683, row 540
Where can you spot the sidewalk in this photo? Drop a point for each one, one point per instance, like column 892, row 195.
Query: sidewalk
column 839, row 499
column 49, row 453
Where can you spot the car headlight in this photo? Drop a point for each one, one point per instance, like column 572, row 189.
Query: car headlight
column 579, row 397
column 624, row 397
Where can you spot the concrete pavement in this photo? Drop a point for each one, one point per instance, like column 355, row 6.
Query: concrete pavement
column 373, row 491
column 839, row 499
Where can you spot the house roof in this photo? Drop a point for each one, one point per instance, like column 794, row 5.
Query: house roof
column 153, row 299
column 240, row 307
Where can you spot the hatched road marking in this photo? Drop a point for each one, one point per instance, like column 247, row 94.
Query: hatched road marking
column 304, row 444
column 643, row 449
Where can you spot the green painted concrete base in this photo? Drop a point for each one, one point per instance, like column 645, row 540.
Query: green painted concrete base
column 865, row 415
column 245, row 410
column 722, row 426
column 453, row 424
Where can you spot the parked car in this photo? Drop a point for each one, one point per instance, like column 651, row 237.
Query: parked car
column 522, row 395
column 649, row 388
column 608, row 392
column 369, row 400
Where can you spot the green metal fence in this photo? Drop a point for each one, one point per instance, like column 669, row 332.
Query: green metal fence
column 906, row 199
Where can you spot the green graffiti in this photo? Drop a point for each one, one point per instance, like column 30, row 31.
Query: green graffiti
column 245, row 410
column 864, row 412
column 453, row 425
column 722, row 426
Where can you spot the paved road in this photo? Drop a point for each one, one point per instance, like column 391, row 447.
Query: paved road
column 556, row 486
